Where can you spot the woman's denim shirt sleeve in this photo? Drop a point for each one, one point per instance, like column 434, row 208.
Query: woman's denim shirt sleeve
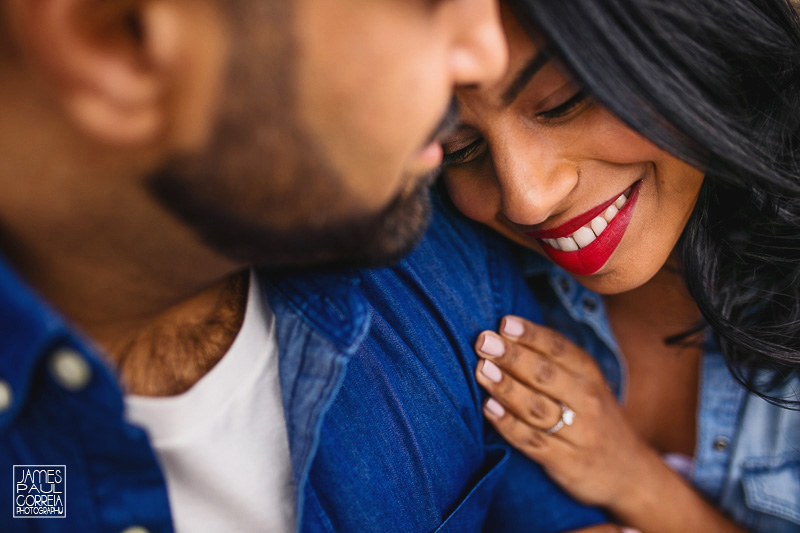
column 747, row 454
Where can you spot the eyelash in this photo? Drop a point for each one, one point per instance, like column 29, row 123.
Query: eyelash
column 563, row 109
column 463, row 154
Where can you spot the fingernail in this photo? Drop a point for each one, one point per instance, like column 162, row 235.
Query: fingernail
column 494, row 407
column 491, row 371
column 513, row 327
column 492, row 346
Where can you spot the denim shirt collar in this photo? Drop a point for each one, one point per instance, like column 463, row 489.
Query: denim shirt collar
column 30, row 330
column 328, row 302
column 321, row 320
column 585, row 306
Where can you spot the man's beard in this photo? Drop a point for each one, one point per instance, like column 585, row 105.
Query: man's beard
column 262, row 192
column 363, row 241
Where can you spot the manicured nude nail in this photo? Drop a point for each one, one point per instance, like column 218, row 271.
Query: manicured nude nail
column 494, row 407
column 492, row 346
column 491, row 371
column 513, row 327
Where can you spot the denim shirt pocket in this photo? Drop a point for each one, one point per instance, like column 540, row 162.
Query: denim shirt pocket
column 470, row 513
column 772, row 489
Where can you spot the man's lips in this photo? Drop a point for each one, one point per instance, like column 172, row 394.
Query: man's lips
column 574, row 224
column 431, row 155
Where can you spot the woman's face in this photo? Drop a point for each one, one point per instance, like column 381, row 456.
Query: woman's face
column 559, row 174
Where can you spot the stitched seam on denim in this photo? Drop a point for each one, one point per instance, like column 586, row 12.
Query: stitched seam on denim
column 719, row 408
column 317, row 414
column 319, row 511
column 553, row 278
column 782, row 508
column 301, row 308
column 474, row 490
column 769, row 463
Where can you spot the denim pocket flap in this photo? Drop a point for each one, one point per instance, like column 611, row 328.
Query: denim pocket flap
column 469, row 514
column 772, row 486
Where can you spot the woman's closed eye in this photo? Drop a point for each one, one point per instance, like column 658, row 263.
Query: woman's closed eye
column 464, row 154
column 467, row 150
column 563, row 109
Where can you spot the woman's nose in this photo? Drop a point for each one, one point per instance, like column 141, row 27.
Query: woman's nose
column 533, row 186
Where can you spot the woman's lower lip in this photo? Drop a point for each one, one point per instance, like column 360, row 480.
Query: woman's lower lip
column 590, row 259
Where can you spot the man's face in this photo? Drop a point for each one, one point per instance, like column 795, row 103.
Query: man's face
column 325, row 138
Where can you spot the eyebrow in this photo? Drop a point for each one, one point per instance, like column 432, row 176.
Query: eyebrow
column 524, row 77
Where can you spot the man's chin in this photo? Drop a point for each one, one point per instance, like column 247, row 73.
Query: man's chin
column 394, row 234
column 372, row 241
column 367, row 241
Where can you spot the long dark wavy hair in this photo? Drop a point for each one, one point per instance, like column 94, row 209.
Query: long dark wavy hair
column 717, row 84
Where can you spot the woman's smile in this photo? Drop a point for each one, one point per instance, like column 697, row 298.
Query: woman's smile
column 585, row 243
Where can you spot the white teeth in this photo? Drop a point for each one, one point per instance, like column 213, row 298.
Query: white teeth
column 584, row 237
column 566, row 244
column 610, row 213
column 598, row 225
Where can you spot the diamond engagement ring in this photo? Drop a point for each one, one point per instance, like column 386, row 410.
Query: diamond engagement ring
column 567, row 418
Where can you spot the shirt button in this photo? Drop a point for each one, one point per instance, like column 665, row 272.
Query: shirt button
column 721, row 444
column 70, row 369
column 564, row 284
column 135, row 529
column 589, row 305
column 6, row 396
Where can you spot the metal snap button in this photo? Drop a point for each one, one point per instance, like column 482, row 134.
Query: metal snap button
column 589, row 305
column 70, row 369
column 6, row 396
column 721, row 444
column 135, row 529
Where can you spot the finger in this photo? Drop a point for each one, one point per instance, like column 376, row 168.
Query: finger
column 530, row 441
column 527, row 366
column 533, row 408
column 548, row 342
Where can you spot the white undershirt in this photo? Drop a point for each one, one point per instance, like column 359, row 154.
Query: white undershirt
column 222, row 444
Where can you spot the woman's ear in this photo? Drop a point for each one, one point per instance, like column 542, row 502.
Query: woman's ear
column 116, row 66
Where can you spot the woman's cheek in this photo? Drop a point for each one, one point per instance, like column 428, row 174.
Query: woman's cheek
column 476, row 198
column 615, row 142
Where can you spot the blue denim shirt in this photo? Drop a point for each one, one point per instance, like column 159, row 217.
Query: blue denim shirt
column 747, row 455
column 382, row 410
column 386, row 427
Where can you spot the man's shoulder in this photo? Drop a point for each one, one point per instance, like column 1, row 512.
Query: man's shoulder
column 460, row 268
column 405, row 435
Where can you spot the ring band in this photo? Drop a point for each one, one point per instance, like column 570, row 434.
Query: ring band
column 567, row 418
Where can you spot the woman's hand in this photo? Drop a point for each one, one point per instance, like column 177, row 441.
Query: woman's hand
column 549, row 400
column 536, row 376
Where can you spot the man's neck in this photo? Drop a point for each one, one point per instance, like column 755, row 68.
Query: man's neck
column 175, row 350
column 126, row 272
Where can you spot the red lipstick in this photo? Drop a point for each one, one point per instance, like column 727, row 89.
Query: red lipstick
column 590, row 259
